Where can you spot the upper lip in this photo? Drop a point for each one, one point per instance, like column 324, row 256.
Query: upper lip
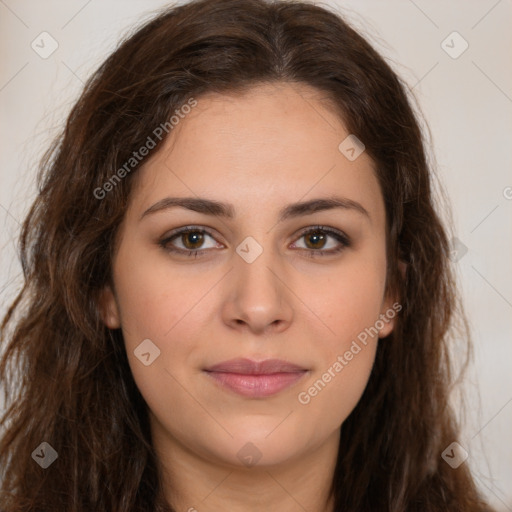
column 250, row 367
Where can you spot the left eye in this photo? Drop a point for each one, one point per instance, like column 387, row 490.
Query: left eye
column 316, row 240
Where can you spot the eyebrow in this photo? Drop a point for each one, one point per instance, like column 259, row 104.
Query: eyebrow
column 225, row 210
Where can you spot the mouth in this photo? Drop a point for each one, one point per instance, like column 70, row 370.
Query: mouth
column 256, row 379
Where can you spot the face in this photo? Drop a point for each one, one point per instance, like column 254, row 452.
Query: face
column 268, row 270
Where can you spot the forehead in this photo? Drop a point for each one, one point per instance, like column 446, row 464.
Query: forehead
column 270, row 144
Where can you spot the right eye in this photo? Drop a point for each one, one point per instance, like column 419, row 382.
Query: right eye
column 191, row 238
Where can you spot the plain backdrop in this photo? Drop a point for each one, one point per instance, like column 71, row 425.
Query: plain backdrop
column 466, row 97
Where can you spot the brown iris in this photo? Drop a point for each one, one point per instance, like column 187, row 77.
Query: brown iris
column 192, row 239
column 317, row 236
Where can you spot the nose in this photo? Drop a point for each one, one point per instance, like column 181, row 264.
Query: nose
column 259, row 298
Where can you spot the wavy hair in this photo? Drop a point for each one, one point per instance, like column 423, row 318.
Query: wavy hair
column 66, row 376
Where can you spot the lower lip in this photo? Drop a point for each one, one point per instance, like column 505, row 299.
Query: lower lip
column 257, row 386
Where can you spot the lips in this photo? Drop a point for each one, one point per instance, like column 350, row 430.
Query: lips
column 256, row 379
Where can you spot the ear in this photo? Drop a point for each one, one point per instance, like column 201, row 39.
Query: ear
column 108, row 308
column 390, row 308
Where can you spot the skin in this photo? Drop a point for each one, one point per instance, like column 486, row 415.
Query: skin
column 259, row 151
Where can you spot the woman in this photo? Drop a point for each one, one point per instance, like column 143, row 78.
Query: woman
column 237, row 289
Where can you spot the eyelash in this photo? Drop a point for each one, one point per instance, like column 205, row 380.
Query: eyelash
column 338, row 235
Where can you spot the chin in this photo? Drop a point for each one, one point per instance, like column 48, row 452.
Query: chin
column 259, row 447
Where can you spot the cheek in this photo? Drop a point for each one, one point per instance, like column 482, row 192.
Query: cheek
column 155, row 296
column 333, row 393
column 346, row 350
column 346, row 301
column 168, row 307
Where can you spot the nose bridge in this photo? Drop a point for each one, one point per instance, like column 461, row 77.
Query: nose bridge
column 256, row 271
column 259, row 297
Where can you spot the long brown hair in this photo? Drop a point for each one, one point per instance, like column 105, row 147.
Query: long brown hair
column 66, row 376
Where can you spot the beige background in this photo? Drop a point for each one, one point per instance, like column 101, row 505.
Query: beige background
column 467, row 102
